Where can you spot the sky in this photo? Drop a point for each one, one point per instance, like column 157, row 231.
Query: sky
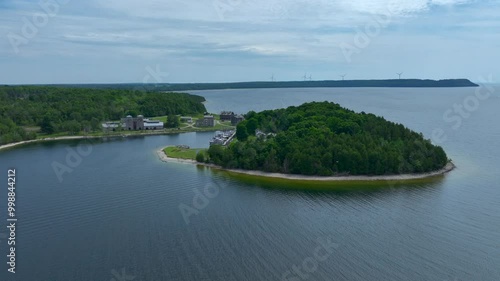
column 174, row 41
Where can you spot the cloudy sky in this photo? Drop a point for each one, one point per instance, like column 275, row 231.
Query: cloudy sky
column 120, row 41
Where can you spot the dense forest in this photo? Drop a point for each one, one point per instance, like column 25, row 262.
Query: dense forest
column 72, row 110
column 285, row 84
column 322, row 138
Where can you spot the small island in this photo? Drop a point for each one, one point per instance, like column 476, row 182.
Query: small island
column 323, row 141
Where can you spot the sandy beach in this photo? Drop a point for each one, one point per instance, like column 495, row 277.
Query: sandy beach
column 449, row 167
column 163, row 157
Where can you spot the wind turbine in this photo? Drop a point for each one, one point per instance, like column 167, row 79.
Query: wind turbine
column 343, row 76
column 305, row 76
column 399, row 74
column 310, row 77
column 272, row 78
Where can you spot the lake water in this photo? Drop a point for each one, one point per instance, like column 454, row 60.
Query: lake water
column 116, row 215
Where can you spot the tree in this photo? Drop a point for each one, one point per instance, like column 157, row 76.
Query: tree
column 216, row 153
column 173, row 121
column 241, row 132
column 271, row 162
column 55, row 109
column 201, row 156
column 322, row 138
column 95, row 124
column 71, row 126
column 47, row 126
column 251, row 126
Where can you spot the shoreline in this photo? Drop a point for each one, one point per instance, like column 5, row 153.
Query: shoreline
column 9, row 145
column 446, row 169
column 152, row 133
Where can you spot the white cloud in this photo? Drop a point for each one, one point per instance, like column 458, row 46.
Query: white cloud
column 257, row 10
column 293, row 33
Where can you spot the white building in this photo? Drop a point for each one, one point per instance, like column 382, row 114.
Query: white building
column 153, row 124
column 207, row 121
column 130, row 123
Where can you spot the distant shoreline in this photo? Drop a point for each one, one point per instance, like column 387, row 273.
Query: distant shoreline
column 446, row 169
column 170, row 87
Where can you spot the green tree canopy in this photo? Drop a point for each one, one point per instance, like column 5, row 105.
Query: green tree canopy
column 322, row 138
column 173, row 121
column 71, row 110
column 241, row 131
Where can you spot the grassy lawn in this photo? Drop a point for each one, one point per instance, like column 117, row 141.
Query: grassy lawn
column 181, row 153
column 200, row 115
column 226, row 123
column 195, row 118
column 223, row 127
column 160, row 118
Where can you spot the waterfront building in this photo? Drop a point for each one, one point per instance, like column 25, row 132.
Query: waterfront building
column 111, row 126
column 206, row 121
column 226, row 115
column 133, row 123
column 130, row 123
column 223, row 137
column 235, row 119
column 153, row 124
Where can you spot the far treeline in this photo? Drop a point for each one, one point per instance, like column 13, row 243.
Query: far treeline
column 73, row 110
column 322, row 138
column 414, row 83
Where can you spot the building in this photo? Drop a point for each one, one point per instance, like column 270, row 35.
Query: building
column 207, row 121
column 153, row 124
column 217, row 141
column 133, row 123
column 111, row 126
column 226, row 115
column 261, row 134
column 140, row 123
column 223, row 137
column 237, row 119
column 186, row 119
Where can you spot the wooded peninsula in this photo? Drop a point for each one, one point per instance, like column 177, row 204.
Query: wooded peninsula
column 324, row 139
column 30, row 111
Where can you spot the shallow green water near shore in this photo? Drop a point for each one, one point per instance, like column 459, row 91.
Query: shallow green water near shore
column 320, row 185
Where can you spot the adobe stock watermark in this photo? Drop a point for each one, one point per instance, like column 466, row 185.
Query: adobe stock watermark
column 74, row 158
column 454, row 116
column 201, row 200
column 121, row 276
column 459, row 112
column 32, row 25
column 156, row 74
column 223, row 6
column 363, row 37
column 311, row 264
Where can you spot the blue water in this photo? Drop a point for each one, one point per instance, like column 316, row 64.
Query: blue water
column 117, row 214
